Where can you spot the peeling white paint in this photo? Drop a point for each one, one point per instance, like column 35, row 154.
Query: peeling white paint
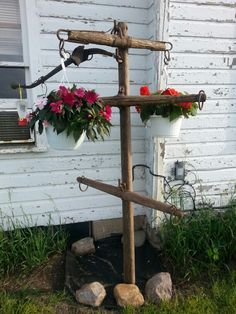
column 203, row 35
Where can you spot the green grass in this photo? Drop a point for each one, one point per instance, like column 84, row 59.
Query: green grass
column 201, row 248
column 201, row 242
column 22, row 249
column 30, row 302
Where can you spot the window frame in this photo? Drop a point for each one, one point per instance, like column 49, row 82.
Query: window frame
column 32, row 63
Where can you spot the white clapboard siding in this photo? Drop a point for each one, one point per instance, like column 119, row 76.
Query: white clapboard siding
column 90, row 12
column 65, row 217
column 203, row 33
column 196, row 76
column 218, row 13
column 16, row 194
column 203, row 61
column 200, row 149
column 200, row 135
column 38, row 187
column 221, row 3
column 204, row 45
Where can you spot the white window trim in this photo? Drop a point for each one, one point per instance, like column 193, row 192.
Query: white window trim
column 32, row 61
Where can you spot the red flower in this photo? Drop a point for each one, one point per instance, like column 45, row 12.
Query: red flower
column 186, row 105
column 56, row 106
column 91, row 96
column 138, row 108
column 22, row 122
column 171, row 91
column 144, row 91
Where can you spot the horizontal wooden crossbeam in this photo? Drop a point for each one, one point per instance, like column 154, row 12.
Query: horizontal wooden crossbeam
column 131, row 196
column 101, row 38
column 127, row 101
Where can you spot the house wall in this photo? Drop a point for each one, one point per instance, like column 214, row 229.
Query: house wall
column 36, row 187
column 203, row 33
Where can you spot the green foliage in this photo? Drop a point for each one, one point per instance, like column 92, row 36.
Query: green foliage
column 22, row 249
column 202, row 242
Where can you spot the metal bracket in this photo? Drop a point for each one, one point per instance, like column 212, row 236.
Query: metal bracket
column 78, row 56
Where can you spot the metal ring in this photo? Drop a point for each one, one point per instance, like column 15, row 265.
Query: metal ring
column 169, row 43
column 201, row 99
column 46, row 89
column 62, row 31
column 166, row 57
column 61, row 47
column 83, row 190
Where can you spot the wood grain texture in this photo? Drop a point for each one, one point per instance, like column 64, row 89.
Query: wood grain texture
column 131, row 196
column 100, row 38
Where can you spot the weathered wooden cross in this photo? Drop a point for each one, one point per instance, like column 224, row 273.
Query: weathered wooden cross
column 119, row 38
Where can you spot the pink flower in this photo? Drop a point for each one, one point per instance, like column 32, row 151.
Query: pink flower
column 63, row 91
column 41, row 102
column 79, row 92
column 67, row 96
column 45, row 123
column 91, row 96
column 78, row 104
column 56, row 106
column 28, row 117
column 107, row 113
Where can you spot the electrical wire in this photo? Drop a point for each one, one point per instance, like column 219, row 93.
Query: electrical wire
column 180, row 187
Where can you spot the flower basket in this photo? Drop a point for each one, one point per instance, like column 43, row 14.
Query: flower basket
column 165, row 119
column 70, row 114
column 163, row 127
column 62, row 141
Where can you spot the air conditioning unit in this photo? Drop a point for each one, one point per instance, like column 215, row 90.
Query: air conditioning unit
column 11, row 132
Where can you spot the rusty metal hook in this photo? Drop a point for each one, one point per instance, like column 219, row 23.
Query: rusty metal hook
column 167, row 53
column 80, row 186
column 201, row 99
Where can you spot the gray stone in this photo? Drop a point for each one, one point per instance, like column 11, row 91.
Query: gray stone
column 128, row 294
column 91, row 294
column 83, row 246
column 159, row 287
column 139, row 238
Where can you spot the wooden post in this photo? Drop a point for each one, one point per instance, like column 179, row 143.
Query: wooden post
column 126, row 166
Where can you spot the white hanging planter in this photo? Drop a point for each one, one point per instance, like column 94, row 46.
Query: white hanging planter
column 62, row 141
column 163, row 127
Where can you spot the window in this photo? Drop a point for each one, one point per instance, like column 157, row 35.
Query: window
column 13, row 69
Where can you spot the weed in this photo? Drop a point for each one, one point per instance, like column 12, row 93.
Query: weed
column 22, row 249
column 204, row 241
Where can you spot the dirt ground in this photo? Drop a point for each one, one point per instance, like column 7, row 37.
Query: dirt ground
column 45, row 280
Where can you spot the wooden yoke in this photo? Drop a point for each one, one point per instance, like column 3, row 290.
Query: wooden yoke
column 132, row 196
column 124, row 42
column 119, row 38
